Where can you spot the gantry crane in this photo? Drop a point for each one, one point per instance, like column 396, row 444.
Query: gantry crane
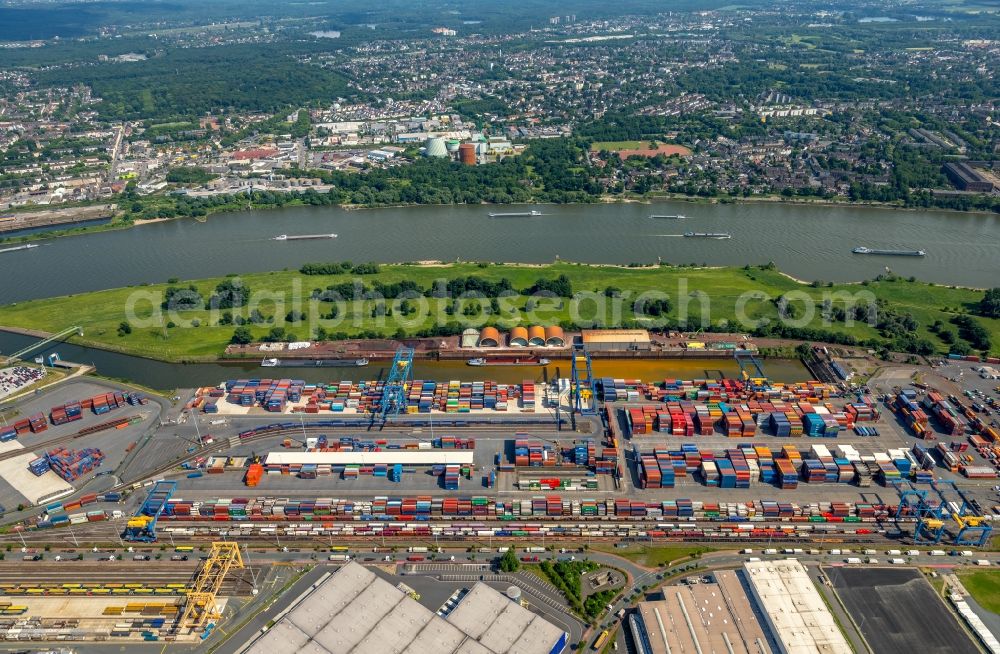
column 751, row 369
column 394, row 390
column 933, row 517
column 201, row 606
column 582, row 378
column 970, row 527
column 142, row 527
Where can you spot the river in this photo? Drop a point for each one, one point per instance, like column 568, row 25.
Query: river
column 809, row 242
column 167, row 376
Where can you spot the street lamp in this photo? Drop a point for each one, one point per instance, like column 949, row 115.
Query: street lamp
column 197, row 428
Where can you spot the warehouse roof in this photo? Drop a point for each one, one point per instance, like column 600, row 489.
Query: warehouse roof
column 354, row 612
column 795, row 612
column 713, row 617
column 386, row 457
column 615, row 336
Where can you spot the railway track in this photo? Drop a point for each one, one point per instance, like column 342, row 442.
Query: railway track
column 293, row 432
column 150, row 573
column 62, row 440
column 88, row 537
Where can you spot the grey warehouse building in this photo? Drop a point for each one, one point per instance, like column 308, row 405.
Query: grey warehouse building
column 354, row 611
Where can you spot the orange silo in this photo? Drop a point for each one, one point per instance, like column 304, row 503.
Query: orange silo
column 467, row 154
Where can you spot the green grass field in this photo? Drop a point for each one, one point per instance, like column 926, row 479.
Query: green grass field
column 985, row 588
column 718, row 290
column 612, row 146
column 653, row 557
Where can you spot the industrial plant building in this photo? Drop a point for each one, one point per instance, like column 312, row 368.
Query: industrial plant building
column 616, row 339
column 769, row 606
column 533, row 336
column 715, row 617
column 354, row 611
column 795, row 613
column 968, row 178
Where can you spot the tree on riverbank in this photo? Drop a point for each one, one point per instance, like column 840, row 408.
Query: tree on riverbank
column 989, row 306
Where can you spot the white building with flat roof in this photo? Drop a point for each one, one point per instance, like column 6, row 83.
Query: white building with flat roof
column 354, row 611
column 795, row 613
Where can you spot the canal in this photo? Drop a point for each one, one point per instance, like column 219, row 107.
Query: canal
column 812, row 243
column 167, row 376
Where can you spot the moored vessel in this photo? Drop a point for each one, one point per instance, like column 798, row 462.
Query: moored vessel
column 508, row 361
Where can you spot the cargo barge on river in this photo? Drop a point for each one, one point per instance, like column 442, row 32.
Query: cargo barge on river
column 891, row 253
column 508, row 361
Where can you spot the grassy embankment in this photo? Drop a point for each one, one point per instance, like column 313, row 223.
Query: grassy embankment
column 102, row 312
column 984, row 585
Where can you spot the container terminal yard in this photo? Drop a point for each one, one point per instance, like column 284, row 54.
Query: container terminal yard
column 202, row 520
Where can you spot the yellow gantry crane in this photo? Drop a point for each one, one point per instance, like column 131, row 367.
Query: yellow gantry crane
column 200, row 606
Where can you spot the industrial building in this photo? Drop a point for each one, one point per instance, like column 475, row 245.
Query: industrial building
column 554, row 336
column 519, row 337
column 467, row 154
column 355, row 611
column 714, row 617
column 489, row 337
column 967, row 178
column 533, row 336
column 470, row 337
column 616, row 339
column 795, row 613
column 436, row 147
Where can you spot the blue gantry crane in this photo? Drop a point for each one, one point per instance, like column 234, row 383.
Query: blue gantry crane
column 970, row 528
column 934, row 514
column 141, row 528
column 582, row 395
column 394, row 390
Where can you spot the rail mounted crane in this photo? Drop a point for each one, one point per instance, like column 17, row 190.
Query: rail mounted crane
column 582, row 376
column 201, row 608
column 394, row 390
column 141, row 528
column 934, row 515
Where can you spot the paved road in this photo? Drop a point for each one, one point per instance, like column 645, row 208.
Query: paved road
column 280, row 565
column 265, row 607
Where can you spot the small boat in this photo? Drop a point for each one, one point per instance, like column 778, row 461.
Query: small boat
column 17, row 248
column 270, row 363
column 892, row 253
column 715, row 235
column 507, row 361
column 516, row 214
column 302, row 237
column 675, row 216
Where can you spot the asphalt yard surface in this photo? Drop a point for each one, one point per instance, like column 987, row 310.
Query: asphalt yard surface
column 897, row 610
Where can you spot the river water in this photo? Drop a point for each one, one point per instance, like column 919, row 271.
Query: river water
column 166, row 376
column 807, row 242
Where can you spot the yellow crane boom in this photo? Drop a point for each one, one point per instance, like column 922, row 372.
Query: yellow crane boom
column 200, row 605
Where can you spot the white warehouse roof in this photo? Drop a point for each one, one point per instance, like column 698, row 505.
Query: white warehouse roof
column 795, row 612
column 385, row 457
column 354, row 611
